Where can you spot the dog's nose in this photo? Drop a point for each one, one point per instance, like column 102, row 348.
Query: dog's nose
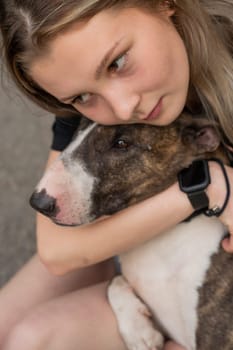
column 44, row 203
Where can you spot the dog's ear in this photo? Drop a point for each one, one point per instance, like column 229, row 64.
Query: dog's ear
column 202, row 136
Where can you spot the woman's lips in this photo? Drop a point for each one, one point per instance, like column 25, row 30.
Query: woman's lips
column 155, row 111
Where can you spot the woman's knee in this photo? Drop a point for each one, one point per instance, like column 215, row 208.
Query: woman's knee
column 32, row 333
column 81, row 319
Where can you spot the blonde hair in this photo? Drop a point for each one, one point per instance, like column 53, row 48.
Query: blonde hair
column 206, row 27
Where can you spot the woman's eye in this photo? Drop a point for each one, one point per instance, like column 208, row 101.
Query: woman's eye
column 82, row 98
column 118, row 64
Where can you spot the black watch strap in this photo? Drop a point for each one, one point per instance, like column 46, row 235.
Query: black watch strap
column 199, row 199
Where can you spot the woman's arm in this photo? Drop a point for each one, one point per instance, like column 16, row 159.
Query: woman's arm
column 63, row 249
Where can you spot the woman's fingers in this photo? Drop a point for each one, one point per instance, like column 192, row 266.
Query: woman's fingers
column 227, row 244
column 170, row 345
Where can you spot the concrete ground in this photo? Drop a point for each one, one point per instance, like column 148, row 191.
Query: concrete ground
column 25, row 137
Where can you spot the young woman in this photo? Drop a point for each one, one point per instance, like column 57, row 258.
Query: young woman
column 115, row 62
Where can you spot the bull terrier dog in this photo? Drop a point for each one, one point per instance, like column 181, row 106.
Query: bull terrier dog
column 178, row 285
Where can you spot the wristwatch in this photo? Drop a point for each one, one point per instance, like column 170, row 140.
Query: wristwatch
column 193, row 181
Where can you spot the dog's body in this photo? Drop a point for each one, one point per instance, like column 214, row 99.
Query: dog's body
column 170, row 274
column 183, row 276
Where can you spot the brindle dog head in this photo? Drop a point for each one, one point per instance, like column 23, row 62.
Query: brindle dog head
column 108, row 168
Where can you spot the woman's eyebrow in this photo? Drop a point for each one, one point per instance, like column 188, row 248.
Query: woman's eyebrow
column 99, row 69
column 105, row 60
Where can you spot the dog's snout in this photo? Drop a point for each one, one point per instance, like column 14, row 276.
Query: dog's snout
column 44, row 203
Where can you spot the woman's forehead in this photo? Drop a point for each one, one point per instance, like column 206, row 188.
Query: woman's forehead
column 102, row 26
column 84, row 45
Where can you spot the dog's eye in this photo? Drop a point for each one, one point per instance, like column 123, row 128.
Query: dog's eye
column 121, row 144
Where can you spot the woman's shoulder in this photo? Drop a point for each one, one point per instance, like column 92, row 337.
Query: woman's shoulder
column 72, row 121
column 64, row 128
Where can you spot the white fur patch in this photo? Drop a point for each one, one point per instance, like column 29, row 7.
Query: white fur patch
column 167, row 271
column 136, row 326
column 70, row 184
column 78, row 141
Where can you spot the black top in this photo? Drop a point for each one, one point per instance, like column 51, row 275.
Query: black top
column 63, row 130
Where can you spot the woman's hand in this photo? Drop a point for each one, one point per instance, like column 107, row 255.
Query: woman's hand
column 170, row 345
column 217, row 193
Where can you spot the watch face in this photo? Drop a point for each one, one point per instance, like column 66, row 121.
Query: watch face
column 195, row 178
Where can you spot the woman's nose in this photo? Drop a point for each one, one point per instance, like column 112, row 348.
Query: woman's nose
column 124, row 105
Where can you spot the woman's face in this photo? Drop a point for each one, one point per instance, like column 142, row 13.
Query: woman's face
column 120, row 67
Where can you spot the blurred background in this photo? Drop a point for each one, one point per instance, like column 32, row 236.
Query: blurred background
column 25, row 137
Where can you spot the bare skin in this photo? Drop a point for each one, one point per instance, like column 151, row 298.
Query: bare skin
column 82, row 319
column 172, row 346
column 33, row 286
